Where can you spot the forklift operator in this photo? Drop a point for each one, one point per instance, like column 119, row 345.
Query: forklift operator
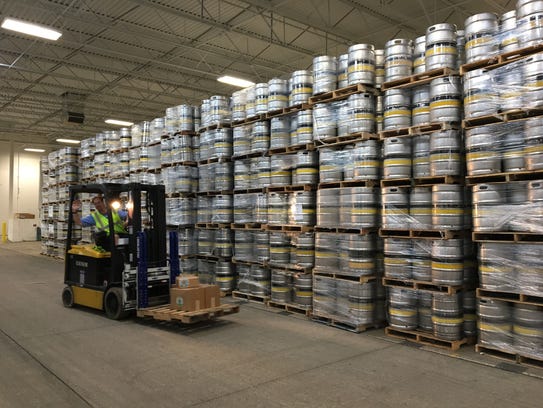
column 99, row 219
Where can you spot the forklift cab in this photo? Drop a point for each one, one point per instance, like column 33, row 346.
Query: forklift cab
column 110, row 279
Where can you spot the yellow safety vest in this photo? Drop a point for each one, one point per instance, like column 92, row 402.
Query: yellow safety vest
column 102, row 223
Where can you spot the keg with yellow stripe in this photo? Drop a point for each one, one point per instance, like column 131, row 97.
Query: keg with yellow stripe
column 206, row 241
column 357, row 256
column 182, row 148
column 397, row 157
column 488, row 207
column 420, row 109
column 203, row 209
column 328, row 207
column 361, row 113
column 324, row 295
column 513, row 149
column 446, row 158
column 281, row 170
column 508, row 34
column 481, row 97
column 327, row 250
column 445, row 99
column 242, row 174
column 278, row 94
column 223, row 143
column 243, row 272
column 448, row 206
column 330, row 165
column 303, row 289
column 304, row 249
column 224, row 177
column 424, row 311
column 529, row 22
column 530, row 269
column 301, row 87
column 398, row 59
column 304, row 129
column 379, row 67
column 342, row 71
column 306, row 168
column 366, row 160
column 397, row 108
column 225, row 276
column 361, row 302
column 260, row 280
column 261, row 97
column 397, row 258
column 448, row 262
column 260, row 137
column 278, row 206
column 419, row 55
column 481, row 36
column 279, row 132
column 420, row 208
column 222, row 205
column 532, row 74
column 280, row 248
column 239, row 99
column 324, row 121
column 263, row 167
column 483, row 151
column 495, row 323
column 395, row 207
column 361, row 68
column 281, row 286
column 359, row 207
column 244, row 208
column 324, row 74
column 533, row 138
column 302, row 208
column 402, row 309
column 262, row 246
column 421, row 260
column 421, row 155
column 528, row 329
column 241, row 144
column 243, row 245
column 441, row 46
column 448, row 316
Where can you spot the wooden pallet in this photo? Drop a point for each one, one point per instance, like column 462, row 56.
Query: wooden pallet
column 418, row 79
column 509, row 355
column 502, row 117
column 418, row 233
column 250, row 226
column 510, row 297
column 419, row 130
column 167, row 313
column 249, row 297
column 291, row 188
column 251, row 119
column 506, row 237
column 289, row 228
column 342, row 93
column 288, row 110
column 214, row 258
column 185, row 133
column 341, row 230
column 249, row 190
column 422, row 181
column 245, row 262
column 289, row 307
column 214, row 126
column 293, row 268
column 249, row 155
column 215, row 193
column 342, row 323
column 421, row 285
column 212, row 160
column 292, row 149
column 323, row 272
column 426, row 339
column 351, row 138
column 505, row 177
column 501, row 59
column 180, row 163
column 212, row 225
column 348, row 183
column 180, row 194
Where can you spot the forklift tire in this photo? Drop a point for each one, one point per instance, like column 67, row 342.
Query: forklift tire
column 67, row 296
column 113, row 304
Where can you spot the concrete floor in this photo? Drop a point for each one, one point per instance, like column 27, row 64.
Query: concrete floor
column 51, row 356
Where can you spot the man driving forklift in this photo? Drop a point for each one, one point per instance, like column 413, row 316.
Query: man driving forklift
column 99, row 219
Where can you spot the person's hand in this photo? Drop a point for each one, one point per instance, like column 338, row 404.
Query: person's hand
column 76, row 206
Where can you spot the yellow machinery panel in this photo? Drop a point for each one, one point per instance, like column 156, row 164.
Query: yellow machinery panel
column 88, row 297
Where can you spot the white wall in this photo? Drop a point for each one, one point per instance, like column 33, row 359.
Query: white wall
column 19, row 189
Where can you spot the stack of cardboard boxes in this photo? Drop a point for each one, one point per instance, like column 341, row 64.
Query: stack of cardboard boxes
column 189, row 295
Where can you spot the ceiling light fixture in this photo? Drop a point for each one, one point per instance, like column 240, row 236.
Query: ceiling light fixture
column 230, row 80
column 30, row 29
column 69, row 141
column 31, row 149
column 118, row 122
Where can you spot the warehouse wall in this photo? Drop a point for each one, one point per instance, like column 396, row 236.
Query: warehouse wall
column 20, row 190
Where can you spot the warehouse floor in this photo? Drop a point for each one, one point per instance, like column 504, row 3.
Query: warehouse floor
column 51, row 356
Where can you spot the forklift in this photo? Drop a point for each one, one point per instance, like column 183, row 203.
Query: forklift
column 133, row 272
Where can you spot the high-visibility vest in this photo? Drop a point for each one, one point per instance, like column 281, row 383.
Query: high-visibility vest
column 102, row 223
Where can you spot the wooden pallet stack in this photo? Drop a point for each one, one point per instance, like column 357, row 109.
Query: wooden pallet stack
column 428, row 256
column 505, row 172
column 347, row 291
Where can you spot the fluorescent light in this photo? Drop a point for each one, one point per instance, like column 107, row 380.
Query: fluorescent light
column 118, row 122
column 31, row 149
column 31, row 29
column 69, row 141
column 230, row 80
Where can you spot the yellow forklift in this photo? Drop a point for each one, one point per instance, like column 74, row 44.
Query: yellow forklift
column 130, row 271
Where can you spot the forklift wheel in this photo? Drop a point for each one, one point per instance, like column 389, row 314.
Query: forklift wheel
column 67, row 296
column 113, row 304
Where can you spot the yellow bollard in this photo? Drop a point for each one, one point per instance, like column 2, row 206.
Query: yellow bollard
column 4, row 232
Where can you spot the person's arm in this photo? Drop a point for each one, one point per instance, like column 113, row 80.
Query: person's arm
column 76, row 212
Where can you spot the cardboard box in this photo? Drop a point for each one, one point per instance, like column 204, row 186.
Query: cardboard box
column 24, row 216
column 187, row 281
column 212, row 296
column 187, row 299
